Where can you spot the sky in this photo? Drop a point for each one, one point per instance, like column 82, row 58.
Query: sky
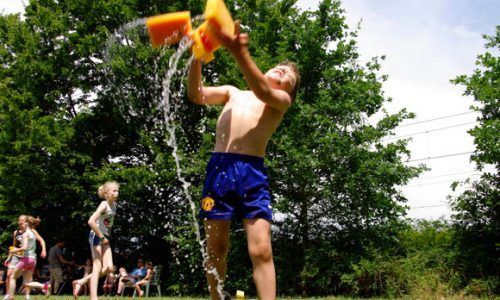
column 426, row 43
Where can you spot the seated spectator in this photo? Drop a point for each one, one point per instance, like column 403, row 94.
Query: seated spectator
column 78, row 284
column 109, row 284
column 130, row 279
column 145, row 280
column 2, row 281
column 44, row 273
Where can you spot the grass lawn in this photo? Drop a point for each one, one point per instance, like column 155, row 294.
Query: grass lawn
column 68, row 297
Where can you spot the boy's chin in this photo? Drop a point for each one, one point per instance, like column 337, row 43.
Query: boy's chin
column 275, row 83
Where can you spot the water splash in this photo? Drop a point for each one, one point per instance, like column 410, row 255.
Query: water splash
column 120, row 35
column 169, row 105
column 170, row 111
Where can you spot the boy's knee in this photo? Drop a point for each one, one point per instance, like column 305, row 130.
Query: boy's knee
column 261, row 252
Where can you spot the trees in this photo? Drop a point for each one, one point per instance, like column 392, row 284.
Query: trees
column 73, row 117
column 477, row 217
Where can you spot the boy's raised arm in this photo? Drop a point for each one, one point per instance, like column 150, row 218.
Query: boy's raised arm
column 238, row 47
column 199, row 94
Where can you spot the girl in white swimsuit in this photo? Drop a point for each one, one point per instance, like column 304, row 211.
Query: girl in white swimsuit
column 100, row 223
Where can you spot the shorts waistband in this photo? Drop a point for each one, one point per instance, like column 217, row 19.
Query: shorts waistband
column 238, row 157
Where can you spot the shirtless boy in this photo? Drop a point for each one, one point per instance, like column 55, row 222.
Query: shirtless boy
column 236, row 184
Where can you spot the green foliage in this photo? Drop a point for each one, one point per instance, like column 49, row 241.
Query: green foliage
column 419, row 266
column 187, row 276
column 477, row 217
column 484, row 86
column 78, row 107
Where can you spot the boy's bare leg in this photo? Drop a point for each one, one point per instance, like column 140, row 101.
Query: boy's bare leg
column 217, row 232
column 261, row 253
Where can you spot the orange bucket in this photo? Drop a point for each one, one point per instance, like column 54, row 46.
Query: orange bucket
column 168, row 29
column 217, row 17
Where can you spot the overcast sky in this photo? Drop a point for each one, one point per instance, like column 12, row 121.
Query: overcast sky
column 426, row 43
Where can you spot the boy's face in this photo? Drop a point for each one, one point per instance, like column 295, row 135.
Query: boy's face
column 282, row 78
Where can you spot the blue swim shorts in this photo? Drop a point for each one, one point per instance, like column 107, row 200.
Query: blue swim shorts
column 236, row 187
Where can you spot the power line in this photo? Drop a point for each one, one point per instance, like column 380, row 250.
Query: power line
column 430, row 130
column 450, row 174
column 428, row 206
column 439, row 182
column 438, row 118
column 440, row 156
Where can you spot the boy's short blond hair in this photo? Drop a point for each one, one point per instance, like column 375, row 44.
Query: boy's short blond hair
column 293, row 66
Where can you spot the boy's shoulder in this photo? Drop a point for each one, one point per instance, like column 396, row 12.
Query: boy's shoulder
column 235, row 90
column 230, row 88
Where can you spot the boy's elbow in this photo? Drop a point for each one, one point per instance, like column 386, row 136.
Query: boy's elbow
column 195, row 98
column 191, row 97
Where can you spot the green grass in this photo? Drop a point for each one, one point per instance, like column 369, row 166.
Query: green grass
column 68, row 297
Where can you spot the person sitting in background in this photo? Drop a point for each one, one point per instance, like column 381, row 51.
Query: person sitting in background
column 87, row 271
column 109, row 284
column 145, row 280
column 2, row 281
column 130, row 279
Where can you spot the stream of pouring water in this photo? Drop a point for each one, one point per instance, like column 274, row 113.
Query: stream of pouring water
column 169, row 107
column 170, row 111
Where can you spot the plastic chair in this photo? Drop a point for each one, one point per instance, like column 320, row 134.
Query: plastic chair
column 126, row 286
column 155, row 281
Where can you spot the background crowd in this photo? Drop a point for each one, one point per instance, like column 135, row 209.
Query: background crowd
column 61, row 268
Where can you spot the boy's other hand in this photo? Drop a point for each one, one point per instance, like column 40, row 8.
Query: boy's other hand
column 235, row 43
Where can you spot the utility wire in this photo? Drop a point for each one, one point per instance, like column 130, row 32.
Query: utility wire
column 439, row 182
column 438, row 118
column 440, row 156
column 428, row 206
column 430, row 130
column 474, row 172
column 449, row 174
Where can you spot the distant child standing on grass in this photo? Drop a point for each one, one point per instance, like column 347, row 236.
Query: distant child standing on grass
column 100, row 223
